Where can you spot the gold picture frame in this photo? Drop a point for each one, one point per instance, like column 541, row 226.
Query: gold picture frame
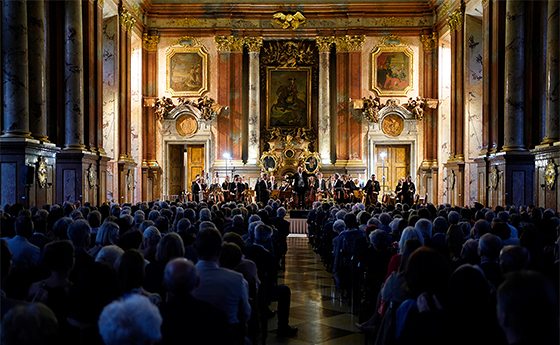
column 392, row 71
column 288, row 97
column 187, row 71
column 269, row 162
column 311, row 162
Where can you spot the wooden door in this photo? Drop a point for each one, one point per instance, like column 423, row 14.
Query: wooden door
column 176, row 169
column 195, row 163
column 396, row 165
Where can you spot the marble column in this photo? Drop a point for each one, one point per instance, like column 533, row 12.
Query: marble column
column 15, row 69
column 514, row 76
column 497, row 82
column 74, row 76
column 342, row 101
column 552, row 125
column 150, row 166
column 126, row 23
column 254, row 44
column 486, row 77
column 324, row 121
column 90, row 75
column 99, row 75
column 355, row 148
column 37, row 70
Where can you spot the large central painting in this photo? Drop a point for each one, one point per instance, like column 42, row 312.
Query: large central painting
column 288, row 97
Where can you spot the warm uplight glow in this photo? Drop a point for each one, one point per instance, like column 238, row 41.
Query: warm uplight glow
column 226, row 155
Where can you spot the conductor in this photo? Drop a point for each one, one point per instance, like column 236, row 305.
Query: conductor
column 300, row 185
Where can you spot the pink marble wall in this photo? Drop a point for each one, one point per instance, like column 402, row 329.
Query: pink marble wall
column 136, row 114
column 473, row 104
column 110, row 101
column 444, row 112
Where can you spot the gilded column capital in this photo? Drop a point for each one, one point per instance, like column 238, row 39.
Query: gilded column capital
column 102, row 2
column 429, row 41
column 254, row 44
column 341, row 44
column 355, row 42
column 229, row 43
column 126, row 19
column 150, row 43
column 324, row 43
column 455, row 19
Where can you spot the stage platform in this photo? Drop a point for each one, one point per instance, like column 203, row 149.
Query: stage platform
column 299, row 213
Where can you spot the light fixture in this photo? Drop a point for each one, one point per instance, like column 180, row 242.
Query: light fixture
column 383, row 154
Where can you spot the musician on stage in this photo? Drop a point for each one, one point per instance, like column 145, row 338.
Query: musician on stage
column 349, row 188
column 226, row 189
column 320, row 183
column 408, row 190
column 285, row 186
column 263, row 191
column 338, row 188
column 300, row 185
column 197, row 190
column 272, row 183
column 398, row 190
column 239, row 188
column 372, row 190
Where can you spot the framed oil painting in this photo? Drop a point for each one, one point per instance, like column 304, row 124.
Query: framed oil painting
column 187, row 71
column 392, row 71
column 288, row 97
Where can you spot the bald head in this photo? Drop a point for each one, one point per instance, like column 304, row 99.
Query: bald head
column 180, row 276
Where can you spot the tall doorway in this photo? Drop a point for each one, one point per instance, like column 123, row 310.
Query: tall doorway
column 195, row 163
column 176, row 169
column 395, row 165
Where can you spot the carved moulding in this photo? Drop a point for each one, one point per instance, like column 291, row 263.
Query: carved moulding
column 494, row 177
column 269, row 162
column 289, row 21
column 289, row 54
column 429, row 42
column 92, row 176
column 149, row 43
column 311, row 161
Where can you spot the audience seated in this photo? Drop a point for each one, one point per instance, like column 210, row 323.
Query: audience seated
column 33, row 323
column 184, row 316
column 132, row 320
column 511, row 243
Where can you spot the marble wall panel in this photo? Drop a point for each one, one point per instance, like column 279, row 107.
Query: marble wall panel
column 136, row 115
column 473, row 105
column 444, row 112
column 110, row 100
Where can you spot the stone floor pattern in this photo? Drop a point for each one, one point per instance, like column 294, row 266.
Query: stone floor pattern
column 316, row 309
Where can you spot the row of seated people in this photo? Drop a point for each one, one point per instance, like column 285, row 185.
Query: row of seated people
column 437, row 274
column 210, row 271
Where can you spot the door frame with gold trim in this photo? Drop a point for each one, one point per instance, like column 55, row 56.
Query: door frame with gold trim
column 375, row 160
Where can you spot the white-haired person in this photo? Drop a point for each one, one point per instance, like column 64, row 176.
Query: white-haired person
column 130, row 321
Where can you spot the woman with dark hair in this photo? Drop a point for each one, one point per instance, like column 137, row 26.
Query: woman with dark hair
column 426, row 277
column 132, row 275
column 169, row 247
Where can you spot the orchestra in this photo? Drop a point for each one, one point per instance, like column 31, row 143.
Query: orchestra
column 300, row 189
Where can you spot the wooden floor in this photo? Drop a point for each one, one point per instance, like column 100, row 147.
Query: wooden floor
column 322, row 318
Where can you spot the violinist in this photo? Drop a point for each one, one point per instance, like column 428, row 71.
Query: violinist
column 226, row 188
column 408, row 190
column 398, row 190
column 196, row 189
column 239, row 188
column 372, row 189
column 215, row 190
column 320, row 183
column 338, row 188
column 263, row 189
column 349, row 188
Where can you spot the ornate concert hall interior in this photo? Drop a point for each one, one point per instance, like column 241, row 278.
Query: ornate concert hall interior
column 141, row 104
column 127, row 101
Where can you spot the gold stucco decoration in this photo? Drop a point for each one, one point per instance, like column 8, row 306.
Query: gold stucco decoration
column 429, row 41
column 186, row 41
column 186, row 125
column 392, row 125
column 42, row 172
column 393, row 41
column 254, row 44
column 289, row 21
column 185, row 22
column 126, row 19
column 229, row 43
column 324, row 43
column 150, row 43
column 91, row 176
column 355, row 42
column 494, row 177
column 550, row 174
column 455, row 19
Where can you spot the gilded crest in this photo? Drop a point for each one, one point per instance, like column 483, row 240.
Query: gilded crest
column 129, row 180
column 550, row 174
column 42, row 172
column 289, row 21
column 92, row 176
column 392, row 125
column 494, row 177
column 186, row 125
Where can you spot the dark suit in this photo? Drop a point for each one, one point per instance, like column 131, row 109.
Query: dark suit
column 195, row 189
column 39, row 240
column 372, row 189
column 262, row 192
column 185, row 317
column 408, row 190
column 338, row 186
column 267, row 268
column 300, row 186
column 321, row 185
